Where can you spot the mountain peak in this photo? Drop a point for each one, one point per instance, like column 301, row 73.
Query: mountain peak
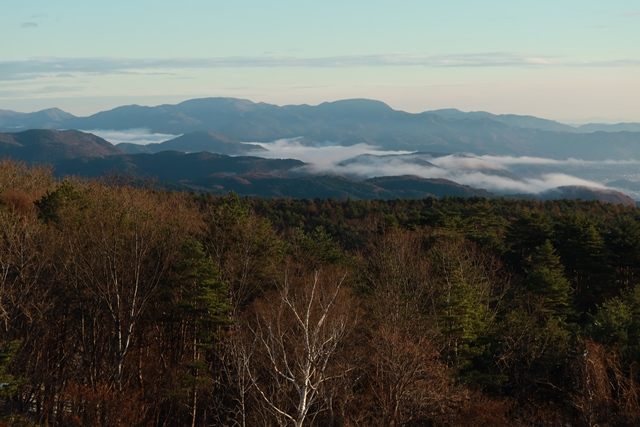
column 55, row 114
column 361, row 104
column 237, row 104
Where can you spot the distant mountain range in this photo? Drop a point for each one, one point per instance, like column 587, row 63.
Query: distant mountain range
column 77, row 153
column 51, row 118
column 532, row 122
column 355, row 121
column 610, row 127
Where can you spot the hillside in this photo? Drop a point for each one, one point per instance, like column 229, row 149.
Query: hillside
column 255, row 176
column 269, row 178
column 48, row 146
column 587, row 193
column 336, row 187
column 173, row 167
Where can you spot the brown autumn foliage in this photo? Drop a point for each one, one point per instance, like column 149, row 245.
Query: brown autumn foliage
column 130, row 306
column 294, row 346
column 33, row 181
column 606, row 394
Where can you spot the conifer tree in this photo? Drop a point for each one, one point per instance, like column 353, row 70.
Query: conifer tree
column 526, row 233
column 545, row 277
column 583, row 252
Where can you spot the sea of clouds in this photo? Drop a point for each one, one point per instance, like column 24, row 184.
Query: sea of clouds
column 502, row 174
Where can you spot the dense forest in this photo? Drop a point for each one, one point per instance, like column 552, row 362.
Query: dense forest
column 129, row 306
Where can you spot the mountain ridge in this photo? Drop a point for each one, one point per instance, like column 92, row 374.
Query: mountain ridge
column 46, row 145
column 243, row 104
column 352, row 121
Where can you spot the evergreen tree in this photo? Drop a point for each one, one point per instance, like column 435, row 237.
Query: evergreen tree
column 545, row 278
column 583, row 252
column 202, row 307
column 616, row 323
column 50, row 205
column 525, row 234
column 204, row 297
column 623, row 241
column 463, row 305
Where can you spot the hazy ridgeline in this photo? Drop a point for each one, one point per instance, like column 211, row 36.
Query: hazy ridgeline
column 131, row 306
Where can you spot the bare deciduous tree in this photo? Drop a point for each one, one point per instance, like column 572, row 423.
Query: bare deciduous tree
column 407, row 380
column 402, row 370
column 120, row 244
column 21, row 265
column 298, row 335
column 605, row 392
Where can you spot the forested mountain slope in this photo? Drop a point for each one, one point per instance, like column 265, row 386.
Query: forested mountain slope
column 133, row 306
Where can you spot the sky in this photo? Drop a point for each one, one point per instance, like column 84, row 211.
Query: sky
column 569, row 60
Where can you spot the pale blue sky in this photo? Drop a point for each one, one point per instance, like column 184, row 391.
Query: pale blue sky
column 564, row 59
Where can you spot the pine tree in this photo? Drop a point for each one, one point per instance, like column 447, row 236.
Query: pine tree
column 582, row 250
column 545, row 277
column 463, row 300
column 525, row 234
column 623, row 241
column 202, row 308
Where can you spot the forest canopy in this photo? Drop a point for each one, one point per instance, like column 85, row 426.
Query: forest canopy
column 122, row 305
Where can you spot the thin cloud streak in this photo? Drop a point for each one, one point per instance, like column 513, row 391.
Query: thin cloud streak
column 471, row 161
column 38, row 67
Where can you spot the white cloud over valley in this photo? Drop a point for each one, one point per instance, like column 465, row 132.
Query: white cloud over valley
column 134, row 136
column 493, row 173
